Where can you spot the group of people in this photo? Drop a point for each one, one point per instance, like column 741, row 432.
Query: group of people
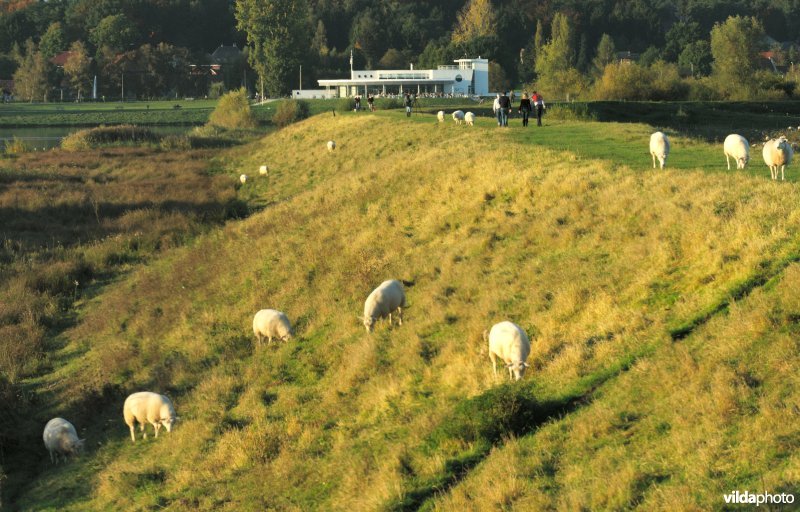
column 370, row 102
column 503, row 104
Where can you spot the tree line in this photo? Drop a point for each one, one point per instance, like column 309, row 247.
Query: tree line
column 569, row 47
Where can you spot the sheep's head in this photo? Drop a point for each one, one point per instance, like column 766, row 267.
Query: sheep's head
column 369, row 323
column 168, row 422
column 74, row 446
column 742, row 162
column 518, row 369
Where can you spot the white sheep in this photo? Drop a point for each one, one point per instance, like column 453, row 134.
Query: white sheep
column 269, row 323
column 458, row 116
column 440, row 116
column 262, row 170
column 469, row 118
column 146, row 407
column 331, row 145
column 777, row 153
column 60, row 438
column 736, row 147
column 243, row 178
column 509, row 342
column 383, row 301
column 659, row 148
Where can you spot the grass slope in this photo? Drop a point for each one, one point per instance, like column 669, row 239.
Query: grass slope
column 598, row 257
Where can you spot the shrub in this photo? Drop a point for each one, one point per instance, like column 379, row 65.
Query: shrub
column 345, row 104
column 233, row 111
column 16, row 147
column 623, row 81
column 290, row 111
column 175, row 142
column 216, row 90
column 108, row 136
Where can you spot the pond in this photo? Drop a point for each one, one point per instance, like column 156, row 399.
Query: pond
column 43, row 138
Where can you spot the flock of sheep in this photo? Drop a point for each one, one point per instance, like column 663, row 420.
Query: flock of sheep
column 507, row 341
column 777, row 153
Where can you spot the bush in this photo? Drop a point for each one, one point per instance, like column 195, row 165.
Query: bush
column 175, row 142
column 345, row 104
column 108, row 136
column 233, row 111
column 16, row 147
column 290, row 111
column 216, row 90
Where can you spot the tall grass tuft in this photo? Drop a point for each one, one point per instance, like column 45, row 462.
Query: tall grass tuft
column 17, row 146
column 289, row 112
column 233, row 111
column 123, row 135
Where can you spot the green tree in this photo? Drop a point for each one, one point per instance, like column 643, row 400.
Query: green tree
column 393, row 59
column 277, row 34
column 77, row 68
column 52, row 41
column 433, row 55
column 606, row 54
column 696, row 58
column 367, row 35
column 678, row 37
column 116, row 32
column 735, row 45
column 319, row 43
column 557, row 75
column 30, row 79
column 476, row 19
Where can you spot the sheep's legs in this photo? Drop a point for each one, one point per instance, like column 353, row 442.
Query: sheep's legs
column 654, row 160
column 157, row 426
column 494, row 363
column 729, row 162
column 399, row 316
column 133, row 432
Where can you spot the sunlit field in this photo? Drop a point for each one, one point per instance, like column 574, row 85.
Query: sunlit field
column 661, row 308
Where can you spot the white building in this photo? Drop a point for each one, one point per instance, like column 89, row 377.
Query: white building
column 468, row 76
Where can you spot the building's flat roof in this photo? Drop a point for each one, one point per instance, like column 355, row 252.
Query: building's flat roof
column 387, row 81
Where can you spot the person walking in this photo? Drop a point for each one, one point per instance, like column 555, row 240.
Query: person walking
column 525, row 108
column 505, row 109
column 371, row 102
column 496, row 109
column 538, row 102
column 407, row 102
column 358, row 103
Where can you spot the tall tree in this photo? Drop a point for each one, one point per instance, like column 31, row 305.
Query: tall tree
column 30, row 79
column 77, row 68
column 52, row 42
column 557, row 75
column 116, row 32
column 606, row 54
column 734, row 46
column 277, row 33
column 477, row 19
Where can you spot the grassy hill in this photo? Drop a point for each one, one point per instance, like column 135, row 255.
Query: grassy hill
column 660, row 305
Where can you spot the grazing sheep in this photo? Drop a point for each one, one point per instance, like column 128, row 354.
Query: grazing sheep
column 383, row 301
column 146, row 407
column 243, row 178
column 510, row 343
column 777, row 153
column 60, row 438
column 659, row 148
column 440, row 116
column 331, row 145
column 458, row 116
column 469, row 118
column 262, row 170
column 269, row 323
column 738, row 148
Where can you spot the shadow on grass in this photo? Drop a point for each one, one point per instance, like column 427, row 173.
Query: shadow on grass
column 487, row 420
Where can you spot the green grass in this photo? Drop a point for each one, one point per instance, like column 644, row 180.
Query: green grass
column 566, row 230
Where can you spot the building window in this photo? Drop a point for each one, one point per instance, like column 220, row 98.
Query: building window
column 459, row 78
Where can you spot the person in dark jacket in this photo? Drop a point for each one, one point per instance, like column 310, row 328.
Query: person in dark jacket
column 525, row 108
column 505, row 108
column 407, row 102
column 538, row 103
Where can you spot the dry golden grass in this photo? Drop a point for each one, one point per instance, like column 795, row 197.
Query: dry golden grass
column 597, row 264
